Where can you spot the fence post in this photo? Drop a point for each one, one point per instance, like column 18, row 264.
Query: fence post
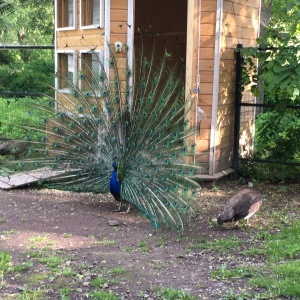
column 237, row 109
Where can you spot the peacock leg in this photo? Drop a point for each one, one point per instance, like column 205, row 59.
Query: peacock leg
column 128, row 209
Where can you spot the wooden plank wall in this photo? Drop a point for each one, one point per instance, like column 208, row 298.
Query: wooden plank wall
column 80, row 39
column 207, row 50
column 240, row 24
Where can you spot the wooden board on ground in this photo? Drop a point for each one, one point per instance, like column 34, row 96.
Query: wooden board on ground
column 24, row 178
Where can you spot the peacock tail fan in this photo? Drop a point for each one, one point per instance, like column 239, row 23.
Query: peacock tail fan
column 136, row 116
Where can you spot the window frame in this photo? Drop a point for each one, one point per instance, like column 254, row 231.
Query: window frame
column 81, row 65
column 83, row 18
column 61, row 71
column 60, row 21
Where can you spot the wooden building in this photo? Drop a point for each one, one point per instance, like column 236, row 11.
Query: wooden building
column 203, row 32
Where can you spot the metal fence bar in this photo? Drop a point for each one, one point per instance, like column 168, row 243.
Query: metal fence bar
column 7, row 47
column 237, row 110
column 267, row 105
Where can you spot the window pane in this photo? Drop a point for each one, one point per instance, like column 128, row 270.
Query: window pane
column 96, row 12
column 70, row 13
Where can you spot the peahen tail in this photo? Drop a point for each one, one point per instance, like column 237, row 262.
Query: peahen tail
column 136, row 117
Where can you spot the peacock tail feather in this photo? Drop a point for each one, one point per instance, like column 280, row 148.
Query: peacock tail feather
column 138, row 118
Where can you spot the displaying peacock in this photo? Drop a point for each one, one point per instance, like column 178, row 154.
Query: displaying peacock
column 123, row 130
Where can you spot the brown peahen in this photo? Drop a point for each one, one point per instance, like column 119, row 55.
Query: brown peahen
column 127, row 132
column 243, row 205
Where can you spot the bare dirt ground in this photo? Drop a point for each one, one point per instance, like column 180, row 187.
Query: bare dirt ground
column 132, row 255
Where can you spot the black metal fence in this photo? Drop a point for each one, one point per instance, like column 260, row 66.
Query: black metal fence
column 249, row 112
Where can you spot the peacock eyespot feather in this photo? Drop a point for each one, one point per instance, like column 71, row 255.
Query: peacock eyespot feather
column 45, row 120
column 191, row 172
column 44, row 139
column 75, row 94
column 80, row 109
column 79, row 149
column 117, row 99
column 79, row 135
column 87, row 94
column 21, row 164
column 94, row 109
column 82, row 76
column 104, row 94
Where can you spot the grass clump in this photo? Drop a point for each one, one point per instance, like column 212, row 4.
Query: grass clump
column 173, row 294
column 283, row 253
column 239, row 272
column 218, row 245
column 101, row 295
column 106, row 242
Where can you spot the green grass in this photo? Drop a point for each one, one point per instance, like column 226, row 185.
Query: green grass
column 5, row 264
column 51, row 261
column 98, row 282
column 218, row 245
column 239, row 272
column 106, row 242
column 143, row 246
column 117, row 271
column 285, row 244
column 283, row 253
column 281, row 280
column 101, row 295
column 172, row 294
column 25, row 266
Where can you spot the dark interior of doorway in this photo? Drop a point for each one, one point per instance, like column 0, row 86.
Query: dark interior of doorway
column 162, row 25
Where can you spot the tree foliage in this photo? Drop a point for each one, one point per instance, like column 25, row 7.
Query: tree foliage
column 278, row 55
column 26, row 22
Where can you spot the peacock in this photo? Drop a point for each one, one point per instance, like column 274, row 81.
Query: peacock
column 124, row 130
column 243, row 205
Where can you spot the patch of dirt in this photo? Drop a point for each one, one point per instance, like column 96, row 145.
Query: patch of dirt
column 78, row 227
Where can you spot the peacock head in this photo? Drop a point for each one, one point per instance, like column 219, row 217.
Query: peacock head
column 114, row 165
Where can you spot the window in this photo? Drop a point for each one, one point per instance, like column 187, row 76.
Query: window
column 92, row 71
column 66, row 70
column 65, row 13
column 92, row 13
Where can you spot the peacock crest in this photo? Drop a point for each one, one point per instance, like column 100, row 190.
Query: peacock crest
column 131, row 120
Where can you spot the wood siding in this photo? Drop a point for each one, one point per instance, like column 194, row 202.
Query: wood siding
column 240, row 23
column 206, row 72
